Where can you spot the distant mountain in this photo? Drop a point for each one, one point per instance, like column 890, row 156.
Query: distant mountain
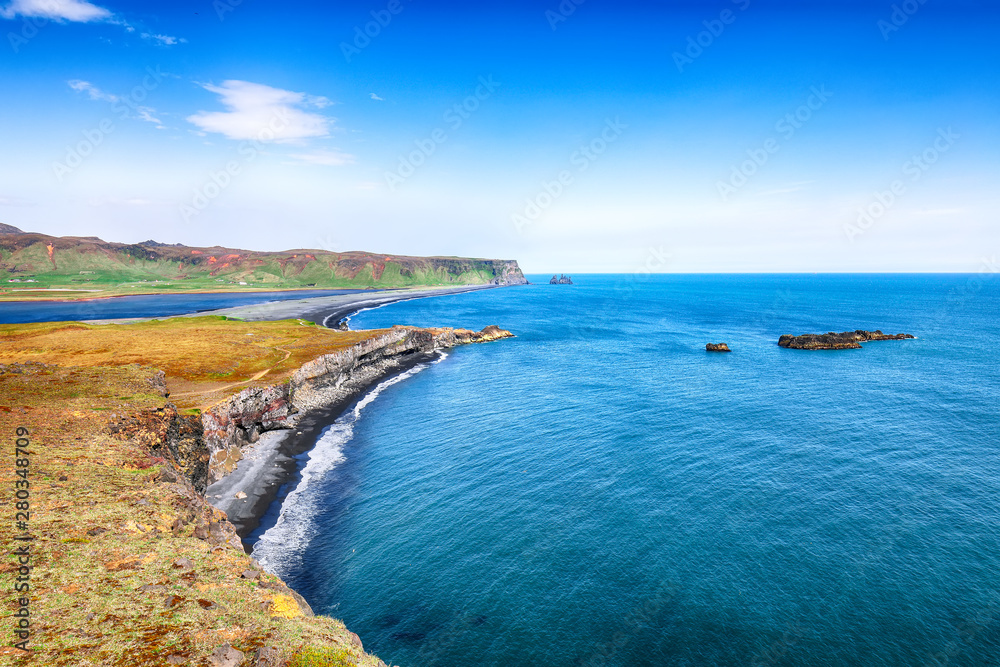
column 91, row 263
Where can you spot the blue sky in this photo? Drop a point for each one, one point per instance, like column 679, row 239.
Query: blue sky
column 739, row 135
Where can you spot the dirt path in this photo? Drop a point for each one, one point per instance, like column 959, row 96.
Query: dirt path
column 256, row 377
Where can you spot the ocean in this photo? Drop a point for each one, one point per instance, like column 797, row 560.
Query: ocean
column 602, row 491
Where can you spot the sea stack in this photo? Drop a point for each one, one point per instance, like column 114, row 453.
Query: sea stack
column 845, row 340
column 717, row 347
column 561, row 280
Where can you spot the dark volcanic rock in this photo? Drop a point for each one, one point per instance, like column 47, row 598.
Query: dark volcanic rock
column 836, row 341
column 166, row 433
column 717, row 347
column 561, row 280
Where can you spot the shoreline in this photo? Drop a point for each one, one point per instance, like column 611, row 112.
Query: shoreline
column 273, row 462
column 315, row 309
column 323, row 309
column 105, row 297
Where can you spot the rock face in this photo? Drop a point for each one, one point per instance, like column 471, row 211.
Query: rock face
column 508, row 273
column 169, row 435
column 238, row 421
column 836, row 341
column 206, row 449
column 561, row 280
column 717, row 347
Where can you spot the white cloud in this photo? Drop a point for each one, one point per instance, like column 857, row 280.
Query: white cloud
column 377, row 98
column 93, row 91
column 163, row 40
column 146, row 114
column 263, row 113
column 326, row 158
column 60, row 10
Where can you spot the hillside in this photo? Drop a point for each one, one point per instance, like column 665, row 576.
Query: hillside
column 82, row 267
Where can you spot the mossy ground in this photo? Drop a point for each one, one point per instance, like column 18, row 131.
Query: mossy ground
column 106, row 586
column 204, row 358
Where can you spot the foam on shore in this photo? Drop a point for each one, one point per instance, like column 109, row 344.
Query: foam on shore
column 280, row 548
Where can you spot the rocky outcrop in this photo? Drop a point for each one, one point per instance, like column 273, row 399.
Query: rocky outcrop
column 717, row 347
column 327, row 380
column 168, row 435
column 508, row 273
column 561, row 280
column 836, row 341
column 239, row 421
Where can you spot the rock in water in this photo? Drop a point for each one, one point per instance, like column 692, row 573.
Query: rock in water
column 836, row 341
column 561, row 279
column 717, row 347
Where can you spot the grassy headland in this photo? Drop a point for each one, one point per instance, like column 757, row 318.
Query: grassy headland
column 131, row 567
column 38, row 266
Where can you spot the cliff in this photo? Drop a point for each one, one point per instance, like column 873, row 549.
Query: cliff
column 328, row 380
column 89, row 263
column 836, row 341
column 134, row 565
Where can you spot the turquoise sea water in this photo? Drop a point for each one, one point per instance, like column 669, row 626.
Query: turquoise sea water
column 602, row 491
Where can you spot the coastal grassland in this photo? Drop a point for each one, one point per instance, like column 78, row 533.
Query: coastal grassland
column 121, row 576
column 41, row 267
column 204, row 359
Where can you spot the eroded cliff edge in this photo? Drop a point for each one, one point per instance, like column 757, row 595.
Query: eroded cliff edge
column 207, row 448
column 142, row 558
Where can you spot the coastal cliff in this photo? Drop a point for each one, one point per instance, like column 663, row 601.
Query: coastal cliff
column 134, row 565
column 836, row 341
column 330, row 379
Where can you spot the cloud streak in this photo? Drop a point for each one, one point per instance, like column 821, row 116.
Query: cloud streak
column 77, row 11
column 262, row 113
column 93, row 92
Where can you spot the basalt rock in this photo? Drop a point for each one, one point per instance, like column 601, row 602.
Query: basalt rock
column 326, row 380
column 168, row 435
column 561, row 280
column 836, row 341
column 717, row 347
